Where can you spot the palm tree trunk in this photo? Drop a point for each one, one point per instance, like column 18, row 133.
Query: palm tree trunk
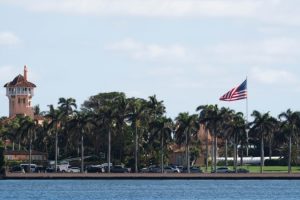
column 212, row 154
column 235, row 152
column 206, row 152
column 215, row 152
column 82, row 155
column 226, row 152
column 188, row 159
column 109, row 150
column 56, row 145
column 29, row 167
column 297, row 149
column 270, row 149
column 290, row 155
column 136, row 150
column 187, row 152
column 162, row 153
column 242, row 154
column 262, row 156
column 13, row 147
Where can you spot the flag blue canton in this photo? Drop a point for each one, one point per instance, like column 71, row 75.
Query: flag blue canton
column 236, row 93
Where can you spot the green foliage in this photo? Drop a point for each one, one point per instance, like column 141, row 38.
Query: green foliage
column 1, row 157
column 140, row 124
column 277, row 162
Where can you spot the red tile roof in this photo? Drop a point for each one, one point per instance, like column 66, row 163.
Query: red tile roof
column 20, row 81
column 33, row 152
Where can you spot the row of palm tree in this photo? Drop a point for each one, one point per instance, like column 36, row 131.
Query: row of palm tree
column 137, row 132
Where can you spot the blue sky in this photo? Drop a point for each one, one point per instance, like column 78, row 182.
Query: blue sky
column 187, row 52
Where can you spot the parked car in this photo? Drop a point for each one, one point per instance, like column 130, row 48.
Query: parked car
column 50, row 169
column 242, row 170
column 145, row 170
column 154, row 169
column 169, row 169
column 40, row 169
column 222, row 170
column 95, row 169
column 193, row 169
column 73, row 169
column 119, row 169
column 17, row 169
column 180, row 168
column 32, row 168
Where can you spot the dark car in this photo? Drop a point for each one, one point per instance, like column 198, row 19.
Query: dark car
column 51, row 169
column 17, row 169
column 94, row 169
column 119, row 169
column 154, row 169
column 40, row 169
column 242, row 170
column 193, row 169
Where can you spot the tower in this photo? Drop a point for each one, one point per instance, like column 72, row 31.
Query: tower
column 20, row 92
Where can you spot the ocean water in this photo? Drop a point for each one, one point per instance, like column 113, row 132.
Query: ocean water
column 149, row 189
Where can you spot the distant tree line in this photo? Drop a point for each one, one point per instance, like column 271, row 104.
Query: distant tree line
column 137, row 132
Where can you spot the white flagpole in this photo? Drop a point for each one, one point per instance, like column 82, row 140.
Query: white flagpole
column 247, row 136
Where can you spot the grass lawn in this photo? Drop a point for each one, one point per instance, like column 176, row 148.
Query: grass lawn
column 271, row 168
column 256, row 169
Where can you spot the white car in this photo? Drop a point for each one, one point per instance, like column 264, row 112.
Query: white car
column 73, row 170
column 222, row 170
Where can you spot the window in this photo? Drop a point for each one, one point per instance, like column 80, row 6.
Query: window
column 19, row 100
column 24, row 100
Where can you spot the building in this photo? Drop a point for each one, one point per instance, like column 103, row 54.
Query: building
column 178, row 155
column 24, row 156
column 20, row 92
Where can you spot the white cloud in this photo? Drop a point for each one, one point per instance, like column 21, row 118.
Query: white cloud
column 8, row 39
column 270, row 11
column 270, row 51
column 148, row 8
column 140, row 51
column 273, row 76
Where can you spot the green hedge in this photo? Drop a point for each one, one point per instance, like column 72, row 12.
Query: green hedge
column 278, row 162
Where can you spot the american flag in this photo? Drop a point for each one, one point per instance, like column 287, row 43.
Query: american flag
column 236, row 93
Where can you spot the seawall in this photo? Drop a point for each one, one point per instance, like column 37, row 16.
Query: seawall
column 155, row 176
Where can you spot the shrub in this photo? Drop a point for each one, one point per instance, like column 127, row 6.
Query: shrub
column 278, row 162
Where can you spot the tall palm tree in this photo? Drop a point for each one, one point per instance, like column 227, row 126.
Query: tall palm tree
column 54, row 117
column 203, row 109
column 291, row 124
column 161, row 130
column 137, row 114
column 270, row 136
column 66, row 106
column 29, row 126
column 187, row 126
column 80, row 125
column 156, row 108
column 262, row 125
column 213, row 119
column 235, row 128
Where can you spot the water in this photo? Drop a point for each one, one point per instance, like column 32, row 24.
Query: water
column 149, row 189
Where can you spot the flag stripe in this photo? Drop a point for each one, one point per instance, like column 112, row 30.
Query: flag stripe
column 236, row 93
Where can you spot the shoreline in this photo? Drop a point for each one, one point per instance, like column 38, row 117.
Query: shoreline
column 151, row 176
